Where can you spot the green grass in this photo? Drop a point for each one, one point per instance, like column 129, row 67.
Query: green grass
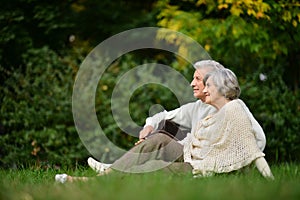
column 39, row 184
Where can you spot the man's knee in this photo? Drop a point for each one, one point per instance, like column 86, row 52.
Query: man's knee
column 159, row 138
column 160, row 141
column 154, row 142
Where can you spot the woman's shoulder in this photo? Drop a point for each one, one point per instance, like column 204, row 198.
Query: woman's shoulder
column 235, row 106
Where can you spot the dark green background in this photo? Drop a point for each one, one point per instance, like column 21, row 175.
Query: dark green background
column 39, row 61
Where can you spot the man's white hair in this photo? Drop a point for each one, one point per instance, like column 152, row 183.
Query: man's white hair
column 210, row 64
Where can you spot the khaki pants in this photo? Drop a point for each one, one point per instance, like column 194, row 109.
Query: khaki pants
column 157, row 152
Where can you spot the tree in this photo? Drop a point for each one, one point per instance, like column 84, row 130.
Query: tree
column 259, row 40
column 42, row 44
column 266, row 31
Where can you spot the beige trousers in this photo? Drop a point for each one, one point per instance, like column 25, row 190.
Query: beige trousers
column 157, row 152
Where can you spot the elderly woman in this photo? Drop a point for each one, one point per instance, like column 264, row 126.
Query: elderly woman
column 225, row 141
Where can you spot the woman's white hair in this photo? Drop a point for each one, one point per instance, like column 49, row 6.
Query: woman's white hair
column 226, row 82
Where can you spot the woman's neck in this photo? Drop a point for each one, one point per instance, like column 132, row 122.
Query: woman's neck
column 222, row 102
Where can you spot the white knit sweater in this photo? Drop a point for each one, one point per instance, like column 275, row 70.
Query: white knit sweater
column 189, row 115
column 223, row 142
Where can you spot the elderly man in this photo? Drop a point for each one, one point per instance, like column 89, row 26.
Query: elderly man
column 157, row 150
column 161, row 147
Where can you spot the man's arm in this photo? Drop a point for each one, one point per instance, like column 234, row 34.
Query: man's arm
column 181, row 116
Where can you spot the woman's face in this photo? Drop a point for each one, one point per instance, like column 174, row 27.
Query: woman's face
column 212, row 96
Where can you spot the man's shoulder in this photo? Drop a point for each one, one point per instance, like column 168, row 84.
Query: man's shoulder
column 196, row 105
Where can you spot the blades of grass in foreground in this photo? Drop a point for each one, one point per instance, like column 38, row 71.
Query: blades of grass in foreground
column 40, row 184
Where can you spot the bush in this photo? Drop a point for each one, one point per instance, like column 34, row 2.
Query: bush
column 276, row 107
column 36, row 119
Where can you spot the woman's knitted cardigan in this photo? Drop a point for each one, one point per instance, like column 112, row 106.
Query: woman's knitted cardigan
column 223, row 142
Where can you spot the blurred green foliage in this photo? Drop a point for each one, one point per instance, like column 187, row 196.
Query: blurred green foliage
column 259, row 41
column 42, row 45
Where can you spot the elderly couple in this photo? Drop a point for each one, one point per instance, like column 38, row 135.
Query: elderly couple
column 223, row 134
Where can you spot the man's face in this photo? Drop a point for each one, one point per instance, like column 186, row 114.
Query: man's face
column 197, row 84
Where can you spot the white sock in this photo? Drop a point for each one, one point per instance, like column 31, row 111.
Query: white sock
column 61, row 178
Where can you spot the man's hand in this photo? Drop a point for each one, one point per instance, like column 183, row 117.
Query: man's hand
column 146, row 131
column 143, row 133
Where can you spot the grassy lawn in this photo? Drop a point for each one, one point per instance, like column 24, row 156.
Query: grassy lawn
column 39, row 184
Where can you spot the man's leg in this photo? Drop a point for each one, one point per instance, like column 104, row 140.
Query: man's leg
column 156, row 147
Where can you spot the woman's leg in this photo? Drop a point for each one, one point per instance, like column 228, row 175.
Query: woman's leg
column 62, row 178
column 264, row 168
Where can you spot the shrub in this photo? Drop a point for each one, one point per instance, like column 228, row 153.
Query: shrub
column 276, row 107
column 36, row 117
